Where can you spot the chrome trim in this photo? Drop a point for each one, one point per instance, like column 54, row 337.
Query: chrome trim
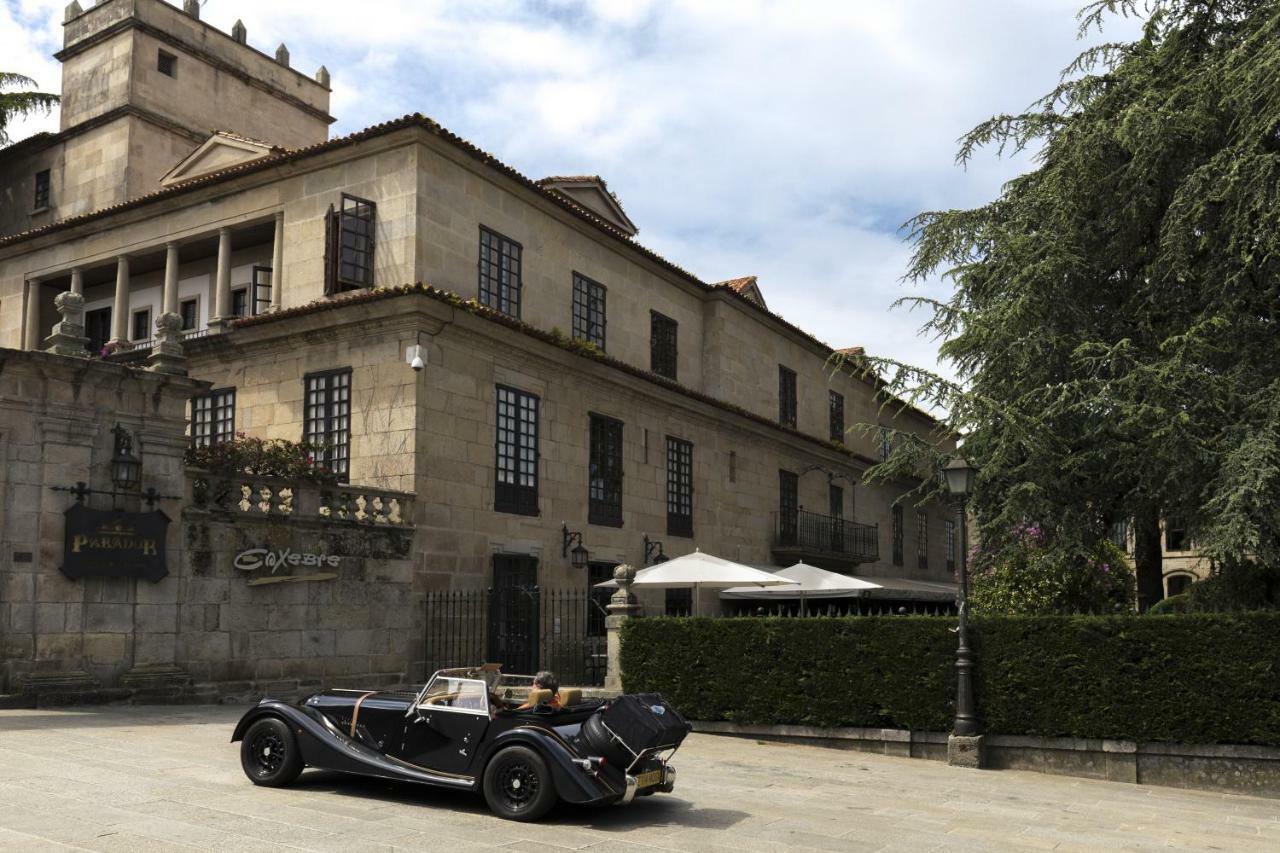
column 630, row 793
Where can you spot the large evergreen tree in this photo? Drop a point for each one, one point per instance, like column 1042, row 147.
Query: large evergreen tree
column 22, row 103
column 1114, row 317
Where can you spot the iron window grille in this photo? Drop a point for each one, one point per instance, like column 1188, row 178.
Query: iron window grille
column 886, row 444
column 922, row 541
column 663, row 333
column 588, row 310
column 836, row 406
column 949, row 531
column 142, row 324
column 679, row 487
column 42, row 190
column 786, row 396
column 500, row 272
column 349, row 244
column 327, row 423
column 516, row 472
column 788, row 506
column 189, row 309
column 261, row 288
column 213, row 417
column 167, row 63
column 897, row 536
column 605, row 472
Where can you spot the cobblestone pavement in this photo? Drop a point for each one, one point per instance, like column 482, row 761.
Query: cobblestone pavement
column 139, row 779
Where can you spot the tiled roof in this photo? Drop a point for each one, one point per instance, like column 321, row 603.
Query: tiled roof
column 420, row 121
column 738, row 285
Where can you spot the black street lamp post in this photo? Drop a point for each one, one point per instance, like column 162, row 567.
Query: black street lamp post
column 959, row 476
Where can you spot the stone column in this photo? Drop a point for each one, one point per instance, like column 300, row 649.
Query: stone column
column 31, row 323
column 622, row 606
column 120, row 309
column 222, row 283
column 170, row 279
column 68, row 336
column 77, row 281
column 277, row 263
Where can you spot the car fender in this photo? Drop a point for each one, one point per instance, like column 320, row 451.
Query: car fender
column 573, row 784
column 326, row 746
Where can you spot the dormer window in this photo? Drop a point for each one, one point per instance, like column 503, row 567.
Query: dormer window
column 167, row 64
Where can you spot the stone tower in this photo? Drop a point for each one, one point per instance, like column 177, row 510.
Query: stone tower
column 144, row 83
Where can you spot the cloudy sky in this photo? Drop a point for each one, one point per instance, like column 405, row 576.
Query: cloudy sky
column 788, row 139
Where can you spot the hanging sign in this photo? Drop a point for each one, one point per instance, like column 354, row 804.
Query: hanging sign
column 114, row 544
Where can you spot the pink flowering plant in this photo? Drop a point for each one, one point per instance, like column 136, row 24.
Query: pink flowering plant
column 262, row 457
column 1025, row 576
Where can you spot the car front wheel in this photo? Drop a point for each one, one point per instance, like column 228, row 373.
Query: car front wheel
column 269, row 753
column 518, row 784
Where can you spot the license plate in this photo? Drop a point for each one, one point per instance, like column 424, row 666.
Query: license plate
column 645, row 780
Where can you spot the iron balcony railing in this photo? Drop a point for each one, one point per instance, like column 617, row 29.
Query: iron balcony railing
column 810, row 532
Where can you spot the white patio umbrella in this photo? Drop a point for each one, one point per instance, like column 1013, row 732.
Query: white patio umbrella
column 809, row 582
column 697, row 570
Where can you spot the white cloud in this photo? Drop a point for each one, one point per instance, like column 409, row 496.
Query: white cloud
column 782, row 139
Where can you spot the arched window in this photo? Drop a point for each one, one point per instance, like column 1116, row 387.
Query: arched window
column 1177, row 584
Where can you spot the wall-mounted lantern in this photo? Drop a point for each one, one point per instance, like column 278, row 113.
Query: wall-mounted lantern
column 126, row 469
column 579, row 555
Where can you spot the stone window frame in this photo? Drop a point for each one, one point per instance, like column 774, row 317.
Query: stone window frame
column 788, row 403
column 213, row 417
column 589, row 310
column 43, row 190
column 664, row 345
column 604, row 470
column 146, row 326
column 326, row 419
column 167, row 63
column 679, row 487
column 898, row 523
column 515, row 472
column 500, row 268
column 835, row 408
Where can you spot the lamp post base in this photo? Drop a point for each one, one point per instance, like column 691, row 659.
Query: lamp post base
column 964, row 751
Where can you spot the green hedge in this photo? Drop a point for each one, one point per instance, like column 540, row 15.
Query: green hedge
column 1210, row 678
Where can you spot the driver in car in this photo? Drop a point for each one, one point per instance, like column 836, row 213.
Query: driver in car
column 545, row 681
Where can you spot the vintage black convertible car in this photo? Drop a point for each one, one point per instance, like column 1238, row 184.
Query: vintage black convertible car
column 473, row 729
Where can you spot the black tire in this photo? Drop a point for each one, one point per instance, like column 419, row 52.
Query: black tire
column 269, row 753
column 518, row 784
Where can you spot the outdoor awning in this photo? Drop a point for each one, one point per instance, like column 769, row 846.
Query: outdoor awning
column 813, row 582
column 702, row 570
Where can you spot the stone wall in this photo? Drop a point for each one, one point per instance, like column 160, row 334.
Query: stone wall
column 215, row 625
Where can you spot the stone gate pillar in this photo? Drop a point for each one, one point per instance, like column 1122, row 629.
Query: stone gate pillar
column 622, row 606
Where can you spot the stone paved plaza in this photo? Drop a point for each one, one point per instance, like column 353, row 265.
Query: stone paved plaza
column 137, row 778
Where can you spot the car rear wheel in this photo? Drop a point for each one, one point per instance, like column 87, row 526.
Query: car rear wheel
column 518, row 784
column 269, row 753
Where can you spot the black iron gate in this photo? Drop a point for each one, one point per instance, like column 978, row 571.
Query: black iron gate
column 523, row 627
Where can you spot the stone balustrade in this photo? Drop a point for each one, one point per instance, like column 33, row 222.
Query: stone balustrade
column 273, row 497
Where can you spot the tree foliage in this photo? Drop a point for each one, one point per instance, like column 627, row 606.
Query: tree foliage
column 20, row 104
column 1114, row 317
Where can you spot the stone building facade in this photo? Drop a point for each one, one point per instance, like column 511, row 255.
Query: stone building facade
column 570, row 378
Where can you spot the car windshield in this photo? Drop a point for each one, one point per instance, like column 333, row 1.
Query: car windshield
column 459, row 693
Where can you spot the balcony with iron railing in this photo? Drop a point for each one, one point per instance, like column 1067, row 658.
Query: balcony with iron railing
column 823, row 540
